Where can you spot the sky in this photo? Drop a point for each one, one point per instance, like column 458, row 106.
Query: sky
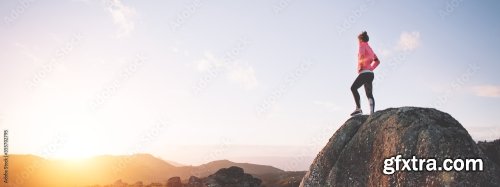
column 195, row 81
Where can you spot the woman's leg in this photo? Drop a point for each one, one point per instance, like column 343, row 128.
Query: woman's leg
column 369, row 91
column 354, row 89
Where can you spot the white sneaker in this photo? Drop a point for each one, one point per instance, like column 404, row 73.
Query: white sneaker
column 356, row 112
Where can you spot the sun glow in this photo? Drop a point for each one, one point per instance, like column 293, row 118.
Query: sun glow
column 76, row 149
column 79, row 138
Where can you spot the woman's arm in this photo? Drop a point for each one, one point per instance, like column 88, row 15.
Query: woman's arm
column 375, row 63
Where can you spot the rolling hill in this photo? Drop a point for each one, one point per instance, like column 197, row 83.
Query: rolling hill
column 29, row 170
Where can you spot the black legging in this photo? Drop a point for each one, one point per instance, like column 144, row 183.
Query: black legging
column 365, row 79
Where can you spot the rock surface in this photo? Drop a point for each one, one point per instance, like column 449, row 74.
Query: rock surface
column 492, row 150
column 174, row 182
column 232, row 177
column 194, row 182
column 354, row 155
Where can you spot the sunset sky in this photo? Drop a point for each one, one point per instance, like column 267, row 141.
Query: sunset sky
column 195, row 81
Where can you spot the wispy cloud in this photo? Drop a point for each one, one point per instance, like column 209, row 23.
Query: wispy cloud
column 240, row 73
column 486, row 91
column 408, row 41
column 244, row 75
column 123, row 16
column 208, row 61
column 28, row 52
column 397, row 54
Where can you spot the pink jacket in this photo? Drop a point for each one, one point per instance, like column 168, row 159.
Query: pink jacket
column 365, row 58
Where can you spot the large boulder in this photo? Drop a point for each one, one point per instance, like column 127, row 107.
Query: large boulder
column 174, row 182
column 492, row 150
column 232, row 177
column 354, row 155
column 195, row 182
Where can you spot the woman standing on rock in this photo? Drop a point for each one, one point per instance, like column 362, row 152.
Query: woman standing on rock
column 367, row 62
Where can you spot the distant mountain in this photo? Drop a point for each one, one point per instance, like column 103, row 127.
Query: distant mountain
column 211, row 167
column 29, row 170
column 174, row 163
column 287, row 163
column 232, row 176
